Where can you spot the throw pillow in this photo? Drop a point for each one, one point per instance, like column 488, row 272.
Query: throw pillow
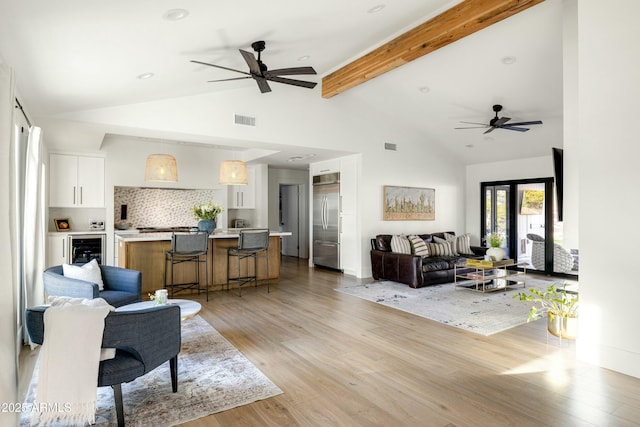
column 90, row 272
column 463, row 244
column 450, row 240
column 439, row 249
column 418, row 246
column 400, row 244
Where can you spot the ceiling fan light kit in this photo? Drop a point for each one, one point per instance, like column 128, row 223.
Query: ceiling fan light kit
column 259, row 71
column 501, row 123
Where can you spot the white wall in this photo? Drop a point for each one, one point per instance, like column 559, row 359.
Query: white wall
column 536, row 167
column 609, row 106
column 416, row 164
column 571, row 142
column 8, row 355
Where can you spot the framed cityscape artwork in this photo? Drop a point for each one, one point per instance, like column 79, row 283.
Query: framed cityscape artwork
column 408, row 204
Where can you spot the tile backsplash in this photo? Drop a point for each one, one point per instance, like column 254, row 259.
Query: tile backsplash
column 159, row 207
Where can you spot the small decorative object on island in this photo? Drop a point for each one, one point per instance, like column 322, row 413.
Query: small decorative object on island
column 496, row 251
column 62, row 224
column 561, row 309
column 160, row 297
column 207, row 214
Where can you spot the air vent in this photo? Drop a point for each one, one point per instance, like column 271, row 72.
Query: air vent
column 390, row 146
column 244, row 120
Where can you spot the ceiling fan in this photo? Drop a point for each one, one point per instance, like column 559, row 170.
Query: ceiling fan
column 261, row 74
column 501, row 123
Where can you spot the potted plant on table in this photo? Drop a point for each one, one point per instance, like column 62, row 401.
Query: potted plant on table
column 207, row 214
column 561, row 309
column 496, row 251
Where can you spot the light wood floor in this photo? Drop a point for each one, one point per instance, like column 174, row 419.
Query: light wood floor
column 343, row 361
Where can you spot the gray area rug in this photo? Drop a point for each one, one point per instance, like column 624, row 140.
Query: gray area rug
column 213, row 376
column 484, row 314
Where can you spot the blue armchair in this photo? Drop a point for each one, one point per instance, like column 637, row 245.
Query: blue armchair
column 143, row 339
column 121, row 286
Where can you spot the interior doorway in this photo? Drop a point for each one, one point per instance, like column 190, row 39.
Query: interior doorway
column 289, row 218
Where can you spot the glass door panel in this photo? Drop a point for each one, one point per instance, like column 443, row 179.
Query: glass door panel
column 531, row 224
column 497, row 212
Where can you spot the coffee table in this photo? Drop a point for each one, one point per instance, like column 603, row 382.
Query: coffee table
column 490, row 276
column 188, row 308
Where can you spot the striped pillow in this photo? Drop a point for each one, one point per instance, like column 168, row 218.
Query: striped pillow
column 418, row 246
column 400, row 244
column 439, row 249
column 451, row 241
column 463, row 245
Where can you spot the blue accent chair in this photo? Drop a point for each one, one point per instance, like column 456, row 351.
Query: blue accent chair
column 143, row 339
column 121, row 286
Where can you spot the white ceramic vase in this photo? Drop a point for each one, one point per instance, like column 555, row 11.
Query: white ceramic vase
column 497, row 254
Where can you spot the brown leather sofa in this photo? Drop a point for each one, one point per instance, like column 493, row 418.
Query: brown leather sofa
column 414, row 270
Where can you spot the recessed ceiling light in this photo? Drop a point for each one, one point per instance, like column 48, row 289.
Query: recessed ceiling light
column 377, row 8
column 508, row 60
column 424, row 89
column 145, row 76
column 304, row 58
column 175, row 14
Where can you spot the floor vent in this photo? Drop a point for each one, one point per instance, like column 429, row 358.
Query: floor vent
column 390, row 146
column 244, row 120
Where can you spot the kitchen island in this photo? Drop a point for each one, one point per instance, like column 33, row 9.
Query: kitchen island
column 145, row 252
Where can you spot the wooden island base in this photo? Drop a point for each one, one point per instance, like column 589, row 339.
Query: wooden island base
column 148, row 257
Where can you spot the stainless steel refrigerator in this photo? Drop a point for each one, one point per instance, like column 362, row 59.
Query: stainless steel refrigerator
column 326, row 220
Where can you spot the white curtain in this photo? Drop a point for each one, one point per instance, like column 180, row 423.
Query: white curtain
column 34, row 230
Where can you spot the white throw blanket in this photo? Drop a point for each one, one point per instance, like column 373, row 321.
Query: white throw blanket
column 69, row 360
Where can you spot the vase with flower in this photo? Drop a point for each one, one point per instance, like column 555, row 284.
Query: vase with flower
column 207, row 213
column 496, row 251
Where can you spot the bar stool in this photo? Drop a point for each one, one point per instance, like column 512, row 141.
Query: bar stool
column 187, row 247
column 252, row 243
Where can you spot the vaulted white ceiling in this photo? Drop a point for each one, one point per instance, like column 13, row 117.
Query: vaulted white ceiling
column 82, row 55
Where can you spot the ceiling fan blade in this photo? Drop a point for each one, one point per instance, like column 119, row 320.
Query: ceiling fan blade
column 474, row 123
column 501, row 121
column 252, row 62
column 262, row 84
column 220, row 66
column 534, row 122
column 290, row 71
column 473, row 127
column 491, row 129
column 228, row 80
column 514, row 128
column 301, row 83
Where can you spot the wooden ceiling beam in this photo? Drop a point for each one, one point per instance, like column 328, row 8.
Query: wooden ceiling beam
column 452, row 25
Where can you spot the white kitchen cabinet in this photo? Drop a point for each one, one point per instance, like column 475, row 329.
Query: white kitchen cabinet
column 244, row 196
column 76, row 181
column 57, row 249
column 324, row 167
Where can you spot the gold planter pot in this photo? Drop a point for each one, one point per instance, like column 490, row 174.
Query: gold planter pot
column 562, row 327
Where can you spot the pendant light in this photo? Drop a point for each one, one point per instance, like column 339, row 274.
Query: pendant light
column 233, row 172
column 161, row 168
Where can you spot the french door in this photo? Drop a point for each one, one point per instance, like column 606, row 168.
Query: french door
column 523, row 212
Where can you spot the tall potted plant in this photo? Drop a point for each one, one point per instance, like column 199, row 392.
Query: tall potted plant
column 496, row 251
column 561, row 309
column 207, row 213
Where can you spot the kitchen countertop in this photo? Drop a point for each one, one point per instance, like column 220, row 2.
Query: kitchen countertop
column 51, row 233
column 218, row 234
